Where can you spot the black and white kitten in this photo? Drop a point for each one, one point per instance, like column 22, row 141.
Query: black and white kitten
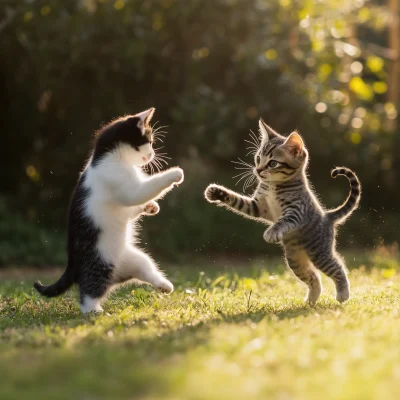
column 111, row 194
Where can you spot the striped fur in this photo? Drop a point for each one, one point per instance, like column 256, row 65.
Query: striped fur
column 339, row 215
column 284, row 200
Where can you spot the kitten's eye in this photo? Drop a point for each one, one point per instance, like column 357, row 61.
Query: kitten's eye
column 273, row 164
column 258, row 159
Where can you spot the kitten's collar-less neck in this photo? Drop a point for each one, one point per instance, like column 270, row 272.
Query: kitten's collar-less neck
column 298, row 180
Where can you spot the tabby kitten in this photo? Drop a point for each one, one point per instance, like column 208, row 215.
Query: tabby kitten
column 284, row 199
column 112, row 192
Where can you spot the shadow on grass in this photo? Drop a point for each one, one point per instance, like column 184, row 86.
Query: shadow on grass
column 131, row 364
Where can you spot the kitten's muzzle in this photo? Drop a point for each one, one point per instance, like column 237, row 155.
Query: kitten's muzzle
column 148, row 157
column 261, row 172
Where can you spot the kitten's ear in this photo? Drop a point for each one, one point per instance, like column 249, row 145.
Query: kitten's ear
column 146, row 116
column 266, row 131
column 294, row 143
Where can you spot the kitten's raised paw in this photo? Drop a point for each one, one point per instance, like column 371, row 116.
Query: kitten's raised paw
column 165, row 286
column 176, row 175
column 215, row 194
column 272, row 235
column 152, row 208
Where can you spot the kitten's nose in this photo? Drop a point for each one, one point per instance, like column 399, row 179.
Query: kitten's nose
column 259, row 170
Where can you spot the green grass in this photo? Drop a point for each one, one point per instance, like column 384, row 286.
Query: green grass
column 225, row 333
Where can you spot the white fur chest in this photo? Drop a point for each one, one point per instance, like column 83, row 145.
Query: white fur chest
column 113, row 219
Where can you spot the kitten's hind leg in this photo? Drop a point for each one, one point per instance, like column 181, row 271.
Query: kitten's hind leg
column 136, row 264
column 302, row 267
column 94, row 285
column 331, row 265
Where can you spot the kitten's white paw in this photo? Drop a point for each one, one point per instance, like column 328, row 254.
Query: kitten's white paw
column 215, row 194
column 151, row 208
column 176, row 175
column 272, row 235
column 165, row 286
column 90, row 305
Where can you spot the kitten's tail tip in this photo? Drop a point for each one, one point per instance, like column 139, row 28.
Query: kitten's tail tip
column 57, row 288
column 40, row 288
column 339, row 214
column 339, row 171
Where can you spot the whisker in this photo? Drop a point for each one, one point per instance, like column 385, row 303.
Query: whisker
column 252, row 144
column 246, row 184
column 158, row 135
column 240, row 179
column 242, row 173
column 241, row 162
column 161, row 160
column 154, row 166
column 158, row 132
column 157, row 139
column 255, row 137
column 157, row 163
column 160, row 127
column 244, row 176
column 163, row 155
column 148, row 168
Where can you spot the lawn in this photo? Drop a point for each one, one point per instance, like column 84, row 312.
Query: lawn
column 227, row 332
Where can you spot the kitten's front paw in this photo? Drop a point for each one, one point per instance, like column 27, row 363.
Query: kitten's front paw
column 272, row 235
column 176, row 176
column 215, row 194
column 151, row 208
column 165, row 286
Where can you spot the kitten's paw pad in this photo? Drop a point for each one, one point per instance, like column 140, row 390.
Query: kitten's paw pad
column 152, row 208
column 272, row 236
column 216, row 193
column 343, row 295
column 177, row 176
column 165, row 286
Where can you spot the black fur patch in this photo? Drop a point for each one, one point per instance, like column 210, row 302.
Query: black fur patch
column 121, row 131
column 91, row 272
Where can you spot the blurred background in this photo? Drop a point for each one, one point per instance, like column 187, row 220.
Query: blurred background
column 329, row 68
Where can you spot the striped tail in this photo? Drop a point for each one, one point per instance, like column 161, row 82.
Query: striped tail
column 338, row 215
